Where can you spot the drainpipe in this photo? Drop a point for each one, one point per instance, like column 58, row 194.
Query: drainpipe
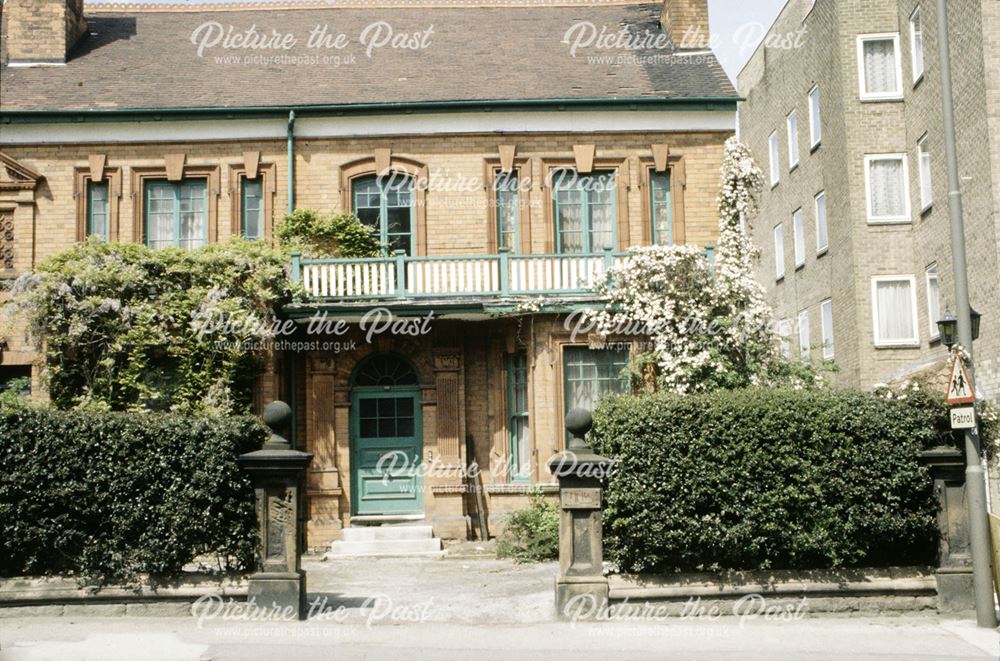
column 293, row 377
column 291, row 161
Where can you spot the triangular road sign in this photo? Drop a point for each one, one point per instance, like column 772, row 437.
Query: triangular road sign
column 960, row 388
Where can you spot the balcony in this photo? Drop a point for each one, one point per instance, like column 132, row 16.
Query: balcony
column 473, row 283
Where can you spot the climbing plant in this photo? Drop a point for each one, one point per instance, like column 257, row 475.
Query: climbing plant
column 703, row 327
column 331, row 235
column 126, row 327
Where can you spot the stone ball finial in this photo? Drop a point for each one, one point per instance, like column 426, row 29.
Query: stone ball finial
column 277, row 415
column 578, row 422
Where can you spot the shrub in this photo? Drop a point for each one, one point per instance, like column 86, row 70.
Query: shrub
column 106, row 496
column 531, row 534
column 126, row 327
column 334, row 235
column 762, row 478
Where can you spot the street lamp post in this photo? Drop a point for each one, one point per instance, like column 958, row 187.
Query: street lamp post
column 975, row 484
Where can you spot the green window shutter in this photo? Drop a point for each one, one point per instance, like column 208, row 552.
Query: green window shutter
column 506, row 190
column 517, row 416
column 252, row 209
column 661, row 208
column 97, row 209
column 176, row 214
column 585, row 211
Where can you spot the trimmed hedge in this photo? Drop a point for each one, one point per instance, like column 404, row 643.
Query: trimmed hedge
column 756, row 479
column 106, row 496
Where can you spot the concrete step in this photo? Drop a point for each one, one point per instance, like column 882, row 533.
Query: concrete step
column 372, row 533
column 385, row 547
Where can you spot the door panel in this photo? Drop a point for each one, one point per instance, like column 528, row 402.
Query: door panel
column 386, row 450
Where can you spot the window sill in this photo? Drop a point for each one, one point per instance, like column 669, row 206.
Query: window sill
column 919, row 79
column 822, row 251
column 779, row 279
column 895, row 98
column 910, row 344
column 774, row 184
column 927, row 209
column 793, row 167
column 875, row 222
column 814, row 147
column 799, row 267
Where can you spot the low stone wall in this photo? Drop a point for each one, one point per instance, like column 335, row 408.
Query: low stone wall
column 759, row 593
column 53, row 596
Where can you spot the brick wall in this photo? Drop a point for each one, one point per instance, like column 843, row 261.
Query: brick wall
column 776, row 81
column 43, row 30
column 457, row 221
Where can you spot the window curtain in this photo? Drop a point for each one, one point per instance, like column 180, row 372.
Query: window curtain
column 880, row 66
column 887, row 188
column 98, row 207
column 895, row 311
column 193, row 215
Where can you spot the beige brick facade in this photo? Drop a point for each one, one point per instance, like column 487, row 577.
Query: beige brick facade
column 463, row 363
column 777, row 81
column 162, row 117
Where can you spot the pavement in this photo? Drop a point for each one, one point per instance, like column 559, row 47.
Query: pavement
column 469, row 608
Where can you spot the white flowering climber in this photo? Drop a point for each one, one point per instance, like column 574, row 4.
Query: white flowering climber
column 705, row 330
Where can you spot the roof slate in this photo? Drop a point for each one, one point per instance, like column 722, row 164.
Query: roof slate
column 148, row 59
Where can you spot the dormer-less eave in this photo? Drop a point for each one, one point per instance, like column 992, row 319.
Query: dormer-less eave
column 724, row 104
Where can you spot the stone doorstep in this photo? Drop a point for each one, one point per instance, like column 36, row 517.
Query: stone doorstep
column 388, row 547
column 372, row 533
column 902, row 582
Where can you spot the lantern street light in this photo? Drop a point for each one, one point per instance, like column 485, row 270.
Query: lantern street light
column 948, row 326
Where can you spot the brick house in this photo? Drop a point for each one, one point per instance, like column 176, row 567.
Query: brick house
column 843, row 111
column 141, row 124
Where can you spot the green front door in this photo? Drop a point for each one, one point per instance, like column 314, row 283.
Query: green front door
column 386, row 451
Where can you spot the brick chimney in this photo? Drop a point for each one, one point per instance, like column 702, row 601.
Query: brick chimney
column 42, row 31
column 686, row 22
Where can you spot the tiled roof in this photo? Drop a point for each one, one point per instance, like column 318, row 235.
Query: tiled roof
column 149, row 58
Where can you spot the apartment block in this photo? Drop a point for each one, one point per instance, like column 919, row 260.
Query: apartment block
column 846, row 123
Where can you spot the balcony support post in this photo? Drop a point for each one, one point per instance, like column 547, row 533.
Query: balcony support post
column 504, row 271
column 400, row 273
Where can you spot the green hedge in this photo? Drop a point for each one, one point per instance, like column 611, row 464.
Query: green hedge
column 767, row 479
column 106, row 496
column 531, row 534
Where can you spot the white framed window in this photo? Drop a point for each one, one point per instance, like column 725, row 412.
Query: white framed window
column 804, row 348
column 887, row 180
column 815, row 128
column 826, row 317
column 822, row 231
column 799, row 238
column 785, row 337
column 926, row 190
column 894, row 311
column 880, row 72
column 792, row 124
column 772, row 143
column 933, row 300
column 917, row 45
column 779, row 251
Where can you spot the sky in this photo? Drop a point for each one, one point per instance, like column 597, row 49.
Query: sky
column 737, row 27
